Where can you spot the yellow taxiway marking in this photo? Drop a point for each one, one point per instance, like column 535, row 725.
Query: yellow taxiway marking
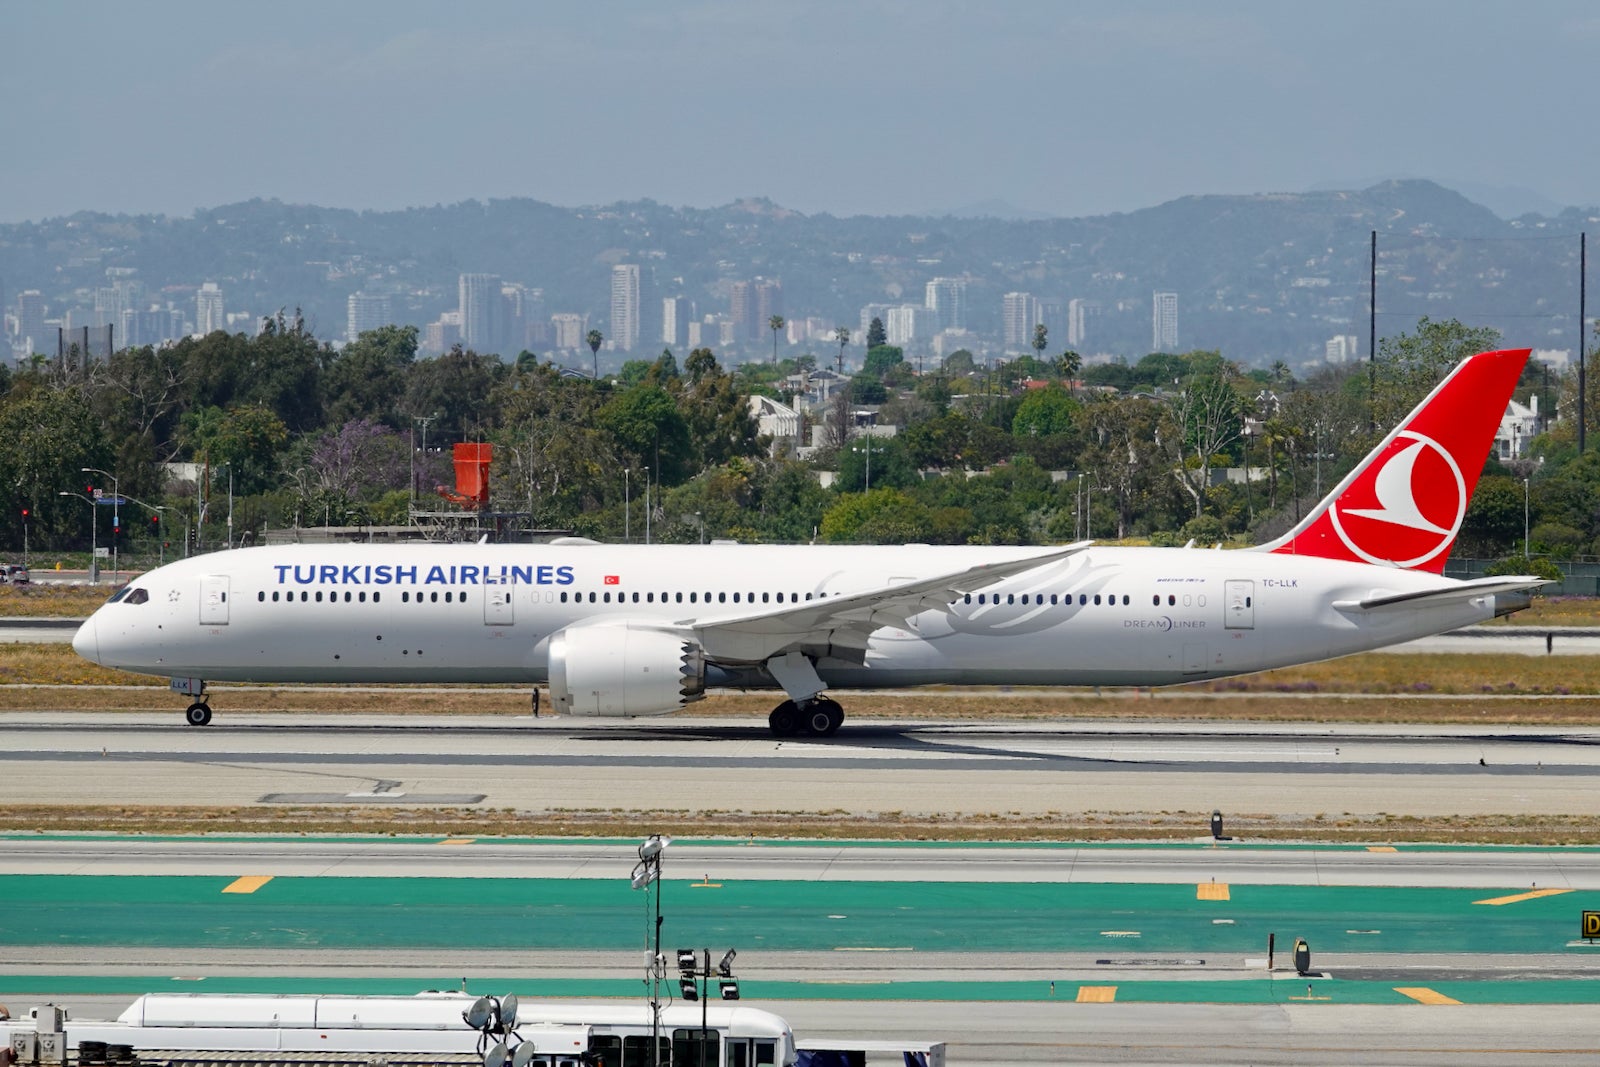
column 248, row 884
column 1212, row 891
column 705, row 883
column 1495, row 902
column 1424, row 995
column 1382, row 848
column 459, row 841
column 1097, row 994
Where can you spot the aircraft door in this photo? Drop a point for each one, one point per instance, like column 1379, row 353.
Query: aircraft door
column 1239, row 596
column 214, row 600
column 499, row 607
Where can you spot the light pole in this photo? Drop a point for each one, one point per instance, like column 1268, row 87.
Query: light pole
column 627, row 505
column 702, row 524
column 94, row 544
column 647, row 872
column 647, row 505
column 694, row 982
column 1524, row 519
column 116, row 513
column 867, row 448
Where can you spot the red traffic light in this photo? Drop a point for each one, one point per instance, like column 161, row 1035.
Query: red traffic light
column 24, row 513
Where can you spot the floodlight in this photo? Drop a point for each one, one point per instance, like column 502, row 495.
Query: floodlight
column 686, row 960
column 497, row 1056
column 653, row 845
column 730, row 989
column 725, row 968
column 525, row 1053
column 508, row 1012
column 477, row 1016
column 643, row 877
column 686, row 985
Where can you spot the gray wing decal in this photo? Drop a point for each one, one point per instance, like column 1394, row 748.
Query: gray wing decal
column 847, row 621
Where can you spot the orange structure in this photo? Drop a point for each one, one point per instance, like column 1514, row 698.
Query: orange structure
column 472, row 476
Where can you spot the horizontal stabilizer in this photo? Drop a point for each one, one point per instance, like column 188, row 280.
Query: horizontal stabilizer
column 1455, row 591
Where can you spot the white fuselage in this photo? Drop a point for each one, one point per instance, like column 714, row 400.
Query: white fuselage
column 485, row 613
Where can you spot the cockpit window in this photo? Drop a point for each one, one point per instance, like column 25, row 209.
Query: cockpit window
column 137, row 596
column 118, row 595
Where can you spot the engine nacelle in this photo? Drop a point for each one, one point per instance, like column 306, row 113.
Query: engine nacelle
column 624, row 669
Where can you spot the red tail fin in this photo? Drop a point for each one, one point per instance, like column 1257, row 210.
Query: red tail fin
column 1402, row 506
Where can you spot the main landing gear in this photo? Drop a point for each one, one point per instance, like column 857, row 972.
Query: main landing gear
column 818, row 717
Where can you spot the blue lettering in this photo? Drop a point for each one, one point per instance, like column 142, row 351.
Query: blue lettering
column 368, row 573
column 435, row 575
column 306, row 579
column 452, row 574
column 329, row 574
column 352, row 574
column 282, row 569
column 469, row 574
column 405, row 574
column 521, row 574
column 381, row 574
column 564, row 576
column 546, row 574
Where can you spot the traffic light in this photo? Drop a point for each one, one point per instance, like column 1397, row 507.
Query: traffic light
column 155, row 524
column 24, row 514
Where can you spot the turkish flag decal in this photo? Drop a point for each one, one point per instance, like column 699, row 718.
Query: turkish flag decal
column 613, row 579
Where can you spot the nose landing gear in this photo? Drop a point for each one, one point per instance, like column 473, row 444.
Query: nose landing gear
column 198, row 714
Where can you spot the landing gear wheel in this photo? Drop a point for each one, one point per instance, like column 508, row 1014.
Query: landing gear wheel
column 824, row 717
column 199, row 714
column 784, row 720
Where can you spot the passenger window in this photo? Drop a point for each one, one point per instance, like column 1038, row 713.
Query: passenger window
column 447, row 596
column 636, row 598
column 319, row 596
column 433, row 597
column 1052, row 598
column 677, row 598
column 607, row 597
column 1097, row 599
column 261, row 595
column 304, row 596
column 274, row 596
column 764, row 598
column 1155, row 601
column 362, row 597
column 1124, row 599
column 1171, row 600
column 722, row 598
column 376, row 597
column 347, row 596
column 967, row 599
column 405, row 598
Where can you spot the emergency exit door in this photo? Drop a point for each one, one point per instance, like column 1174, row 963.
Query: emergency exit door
column 498, row 607
column 214, row 600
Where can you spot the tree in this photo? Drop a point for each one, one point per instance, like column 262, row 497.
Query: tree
column 594, row 338
column 1068, row 364
column 1040, row 333
column 366, row 380
column 876, row 335
column 883, row 516
column 842, row 335
column 1045, row 412
column 649, row 428
column 775, row 324
column 1210, row 419
column 880, row 359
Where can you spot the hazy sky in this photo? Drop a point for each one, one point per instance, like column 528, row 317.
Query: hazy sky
column 845, row 107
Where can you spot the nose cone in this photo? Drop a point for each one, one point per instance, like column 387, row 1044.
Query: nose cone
column 86, row 642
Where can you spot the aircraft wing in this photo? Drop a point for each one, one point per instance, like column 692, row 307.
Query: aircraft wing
column 843, row 623
column 1463, row 590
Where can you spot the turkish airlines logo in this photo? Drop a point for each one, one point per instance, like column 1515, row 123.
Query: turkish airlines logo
column 1420, row 500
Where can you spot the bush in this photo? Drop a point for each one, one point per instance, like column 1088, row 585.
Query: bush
column 1204, row 530
column 1539, row 566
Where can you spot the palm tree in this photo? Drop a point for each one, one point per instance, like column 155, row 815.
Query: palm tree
column 1039, row 333
column 594, row 339
column 775, row 324
column 842, row 335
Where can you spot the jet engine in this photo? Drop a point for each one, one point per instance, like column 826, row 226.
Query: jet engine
column 624, row 669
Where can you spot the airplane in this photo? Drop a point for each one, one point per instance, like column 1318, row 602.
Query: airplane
column 636, row 630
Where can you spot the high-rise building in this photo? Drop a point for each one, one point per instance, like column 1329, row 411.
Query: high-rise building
column 569, row 330
column 1341, row 349
column 481, row 313
column 769, row 302
column 365, row 311
column 209, row 315
column 675, row 313
column 910, row 323
column 625, row 306
column 1081, row 317
column 30, row 323
column 1164, row 322
column 742, row 310
column 1019, row 315
column 947, row 298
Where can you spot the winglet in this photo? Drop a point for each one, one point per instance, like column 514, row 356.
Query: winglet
column 1403, row 505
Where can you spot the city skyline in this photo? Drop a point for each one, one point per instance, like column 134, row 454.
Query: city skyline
column 1299, row 97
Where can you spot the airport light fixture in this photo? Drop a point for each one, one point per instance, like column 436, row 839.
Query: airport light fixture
column 647, row 873
column 116, row 513
column 694, row 979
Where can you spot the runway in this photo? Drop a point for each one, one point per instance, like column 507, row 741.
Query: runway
column 684, row 764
